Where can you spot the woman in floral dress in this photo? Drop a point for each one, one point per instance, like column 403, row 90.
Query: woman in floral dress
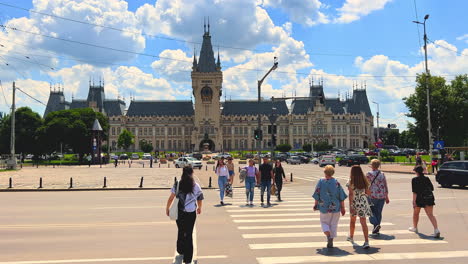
column 329, row 199
column 358, row 187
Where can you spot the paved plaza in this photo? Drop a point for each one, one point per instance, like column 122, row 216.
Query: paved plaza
column 131, row 227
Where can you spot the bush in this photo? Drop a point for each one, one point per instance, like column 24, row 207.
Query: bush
column 388, row 159
column 242, row 161
column 210, row 162
column 283, row 147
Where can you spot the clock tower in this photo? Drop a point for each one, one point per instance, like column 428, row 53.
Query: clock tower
column 207, row 79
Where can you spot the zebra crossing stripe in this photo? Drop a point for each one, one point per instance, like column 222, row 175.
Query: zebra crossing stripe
column 266, row 210
column 364, row 257
column 300, row 200
column 280, row 220
column 315, row 234
column 344, row 244
column 264, row 227
column 274, row 215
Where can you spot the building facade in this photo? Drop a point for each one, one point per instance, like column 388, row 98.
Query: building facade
column 229, row 125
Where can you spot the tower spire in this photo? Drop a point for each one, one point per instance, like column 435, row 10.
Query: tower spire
column 208, row 25
column 218, row 63
column 204, row 25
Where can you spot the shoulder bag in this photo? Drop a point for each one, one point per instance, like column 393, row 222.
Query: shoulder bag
column 174, row 210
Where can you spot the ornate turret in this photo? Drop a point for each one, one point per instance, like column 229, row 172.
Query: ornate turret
column 206, row 62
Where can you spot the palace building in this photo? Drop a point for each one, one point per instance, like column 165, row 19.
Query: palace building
column 230, row 124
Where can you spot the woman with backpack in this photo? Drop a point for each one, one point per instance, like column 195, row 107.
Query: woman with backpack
column 250, row 181
column 423, row 197
column 190, row 196
column 358, row 187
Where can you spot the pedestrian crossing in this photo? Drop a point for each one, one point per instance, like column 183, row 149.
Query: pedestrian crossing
column 287, row 231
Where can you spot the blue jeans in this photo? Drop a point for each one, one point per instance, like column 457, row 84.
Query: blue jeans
column 377, row 207
column 249, row 187
column 222, row 181
column 266, row 185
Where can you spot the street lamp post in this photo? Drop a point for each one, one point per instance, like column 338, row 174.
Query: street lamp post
column 273, row 116
column 259, row 83
column 96, row 141
column 429, row 127
column 378, row 127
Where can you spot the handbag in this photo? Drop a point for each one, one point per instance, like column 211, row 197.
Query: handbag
column 174, row 210
column 273, row 189
column 242, row 175
column 228, row 190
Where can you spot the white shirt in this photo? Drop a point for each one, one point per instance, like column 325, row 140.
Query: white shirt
column 222, row 171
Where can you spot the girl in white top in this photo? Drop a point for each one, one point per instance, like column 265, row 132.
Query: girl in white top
column 223, row 176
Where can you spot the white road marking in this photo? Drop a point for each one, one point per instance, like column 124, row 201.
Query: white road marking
column 102, row 260
column 129, row 207
column 364, row 257
column 82, row 225
column 280, row 220
column 274, row 215
column 263, row 227
column 316, row 234
column 266, row 210
column 411, row 199
column 302, row 200
column 345, row 244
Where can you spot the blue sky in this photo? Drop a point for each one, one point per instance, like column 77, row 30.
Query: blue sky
column 345, row 42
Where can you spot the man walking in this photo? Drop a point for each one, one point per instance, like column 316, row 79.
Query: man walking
column 266, row 177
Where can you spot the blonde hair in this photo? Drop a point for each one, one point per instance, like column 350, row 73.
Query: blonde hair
column 375, row 163
column 329, row 170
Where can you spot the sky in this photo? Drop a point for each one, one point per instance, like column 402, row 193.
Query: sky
column 143, row 49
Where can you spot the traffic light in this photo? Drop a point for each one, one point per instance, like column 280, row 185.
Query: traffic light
column 388, row 126
column 258, row 135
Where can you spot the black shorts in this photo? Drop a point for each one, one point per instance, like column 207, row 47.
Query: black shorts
column 423, row 203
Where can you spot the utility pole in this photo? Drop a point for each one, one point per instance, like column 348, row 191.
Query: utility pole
column 12, row 162
column 429, row 125
column 259, row 126
column 378, row 127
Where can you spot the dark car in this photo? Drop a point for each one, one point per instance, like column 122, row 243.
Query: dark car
column 304, row 159
column 123, row 157
column 453, row 172
column 353, row 160
column 197, row 156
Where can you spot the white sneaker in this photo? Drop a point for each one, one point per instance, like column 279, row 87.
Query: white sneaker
column 436, row 233
column 413, row 229
column 366, row 245
column 350, row 239
column 251, row 203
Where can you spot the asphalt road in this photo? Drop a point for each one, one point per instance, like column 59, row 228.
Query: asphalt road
column 131, row 227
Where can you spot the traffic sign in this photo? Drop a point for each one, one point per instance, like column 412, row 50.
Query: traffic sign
column 440, row 144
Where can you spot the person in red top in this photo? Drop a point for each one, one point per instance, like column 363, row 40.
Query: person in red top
column 379, row 194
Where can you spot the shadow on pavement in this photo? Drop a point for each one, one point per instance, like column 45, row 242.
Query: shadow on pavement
column 382, row 237
column 423, row 236
column 333, row 252
column 359, row 250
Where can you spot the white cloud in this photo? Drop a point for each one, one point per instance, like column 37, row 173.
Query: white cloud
column 463, row 38
column 302, row 12
column 353, row 10
column 112, row 13
column 174, row 67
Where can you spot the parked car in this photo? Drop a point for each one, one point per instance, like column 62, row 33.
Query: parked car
column 353, row 160
column 304, row 159
column 123, row 156
column 293, row 160
column 315, row 160
column 146, row 156
column 453, row 172
column 187, row 161
column 327, row 160
column 113, row 156
column 249, row 156
column 197, row 156
column 135, row 156
column 282, row 157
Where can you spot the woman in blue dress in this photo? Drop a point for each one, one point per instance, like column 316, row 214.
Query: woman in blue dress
column 329, row 200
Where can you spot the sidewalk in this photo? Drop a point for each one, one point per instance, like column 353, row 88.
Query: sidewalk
column 398, row 168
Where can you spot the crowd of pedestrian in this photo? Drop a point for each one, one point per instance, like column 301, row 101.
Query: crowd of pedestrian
column 367, row 195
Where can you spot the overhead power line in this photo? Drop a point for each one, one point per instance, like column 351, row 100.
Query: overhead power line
column 447, row 48
column 182, row 40
column 30, row 96
column 4, row 96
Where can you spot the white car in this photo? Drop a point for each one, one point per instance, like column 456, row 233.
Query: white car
column 146, row 156
column 187, row 161
column 327, row 160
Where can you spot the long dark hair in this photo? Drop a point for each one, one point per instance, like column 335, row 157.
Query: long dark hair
column 358, row 180
column 186, row 180
column 276, row 164
column 218, row 163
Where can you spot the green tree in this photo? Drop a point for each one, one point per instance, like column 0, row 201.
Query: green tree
column 322, row 146
column 283, row 147
column 307, row 147
column 392, row 137
column 72, row 128
column 27, row 124
column 145, row 146
column 408, row 138
column 449, row 104
column 126, row 138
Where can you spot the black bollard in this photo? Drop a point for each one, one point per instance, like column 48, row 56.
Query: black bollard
column 141, row 183
column 291, row 177
column 105, row 183
column 209, row 184
column 159, row 164
column 175, row 180
column 40, row 183
column 71, row 182
column 129, row 165
column 10, row 183
column 143, row 165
